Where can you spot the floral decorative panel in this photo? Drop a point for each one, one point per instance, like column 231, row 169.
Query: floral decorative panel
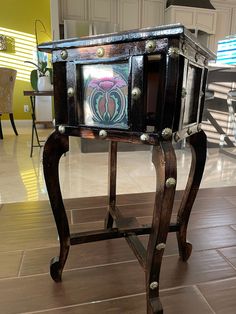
column 105, row 100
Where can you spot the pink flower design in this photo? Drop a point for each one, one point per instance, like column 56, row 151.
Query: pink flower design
column 107, row 83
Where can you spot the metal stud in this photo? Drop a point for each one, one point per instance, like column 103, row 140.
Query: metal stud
column 70, row 91
column 160, row 246
column 100, row 52
column 176, row 137
column 196, row 57
column 173, row 52
column 61, row 129
column 183, row 93
column 170, row 182
column 136, row 93
column 189, row 131
column 144, row 137
column 102, row 133
column 153, row 285
column 64, row 54
column 166, row 133
column 184, row 48
column 150, row 45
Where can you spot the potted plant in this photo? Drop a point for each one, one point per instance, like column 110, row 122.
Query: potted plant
column 41, row 77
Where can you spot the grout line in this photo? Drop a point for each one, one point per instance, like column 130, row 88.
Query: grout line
column 85, row 303
column 74, row 269
column 198, row 291
column 225, row 258
column 232, row 227
column 21, row 264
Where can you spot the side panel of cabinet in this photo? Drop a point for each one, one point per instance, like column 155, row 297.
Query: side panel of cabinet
column 152, row 13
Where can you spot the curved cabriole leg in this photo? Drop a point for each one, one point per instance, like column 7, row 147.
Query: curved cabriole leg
column 55, row 146
column 198, row 145
column 164, row 160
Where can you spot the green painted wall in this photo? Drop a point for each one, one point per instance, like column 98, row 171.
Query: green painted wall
column 17, row 17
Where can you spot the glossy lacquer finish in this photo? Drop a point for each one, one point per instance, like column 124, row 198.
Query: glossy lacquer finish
column 144, row 87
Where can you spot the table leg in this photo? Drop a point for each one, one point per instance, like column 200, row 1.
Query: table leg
column 55, row 146
column 164, row 160
column 198, row 145
column 34, row 129
column 112, row 165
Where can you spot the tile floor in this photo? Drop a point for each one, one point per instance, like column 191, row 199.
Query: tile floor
column 84, row 175
column 204, row 285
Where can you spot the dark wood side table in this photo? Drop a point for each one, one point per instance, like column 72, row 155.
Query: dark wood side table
column 144, row 86
column 32, row 94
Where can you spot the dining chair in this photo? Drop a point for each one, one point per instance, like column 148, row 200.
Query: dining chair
column 7, row 83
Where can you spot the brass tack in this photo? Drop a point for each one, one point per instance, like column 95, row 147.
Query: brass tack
column 153, row 285
column 64, row 54
column 166, row 133
column 144, row 137
column 160, row 246
column 136, row 93
column 173, row 52
column 102, row 133
column 61, row 129
column 170, row 182
column 70, row 91
column 100, row 52
column 150, row 45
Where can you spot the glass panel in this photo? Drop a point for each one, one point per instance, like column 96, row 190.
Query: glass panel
column 105, row 100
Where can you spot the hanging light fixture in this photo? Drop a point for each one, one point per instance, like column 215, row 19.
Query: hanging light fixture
column 204, row 4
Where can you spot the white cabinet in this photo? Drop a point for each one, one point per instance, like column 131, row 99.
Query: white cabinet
column 102, row 10
column 153, row 13
column 233, row 24
column 74, row 9
column 192, row 18
column 129, row 14
column 223, row 26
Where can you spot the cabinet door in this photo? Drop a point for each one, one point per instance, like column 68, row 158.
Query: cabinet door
column 152, row 13
column 223, row 24
column 183, row 15
column 129, row 14
column 233, row 25
column 74, row 9
column 102, row 10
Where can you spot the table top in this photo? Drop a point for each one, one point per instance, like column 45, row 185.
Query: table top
column 149, row 33
column 37, row 93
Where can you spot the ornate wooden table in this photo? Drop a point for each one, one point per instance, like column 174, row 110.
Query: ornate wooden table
column 147, row 87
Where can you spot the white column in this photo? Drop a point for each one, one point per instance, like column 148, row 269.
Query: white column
column 55, row 19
